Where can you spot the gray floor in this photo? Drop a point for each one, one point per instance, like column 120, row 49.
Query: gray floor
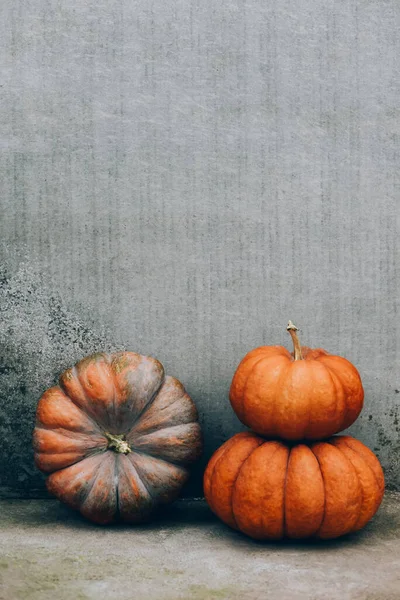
column 47, row 552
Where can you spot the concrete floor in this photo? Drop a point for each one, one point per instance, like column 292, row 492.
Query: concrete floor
column 47, row 552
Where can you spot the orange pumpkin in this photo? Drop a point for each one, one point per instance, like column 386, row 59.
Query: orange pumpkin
column 270, row 490
column 307, row 395
column 116, row 436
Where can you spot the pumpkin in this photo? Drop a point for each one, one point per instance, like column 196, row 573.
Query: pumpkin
column 270, row 489
column 307, row 395
column 116, row 437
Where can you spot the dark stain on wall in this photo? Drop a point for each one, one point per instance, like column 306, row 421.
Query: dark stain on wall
column 39, row 338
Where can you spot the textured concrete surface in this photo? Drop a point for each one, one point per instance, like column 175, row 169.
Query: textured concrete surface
column 48, row 552
column 180, row 179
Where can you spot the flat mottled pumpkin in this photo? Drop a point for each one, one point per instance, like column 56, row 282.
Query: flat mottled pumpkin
column 116, row 437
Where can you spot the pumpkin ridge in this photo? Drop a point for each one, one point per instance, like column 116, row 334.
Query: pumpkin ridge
column 147, row 453
column 87, row 492
column 141, row 490
column 323, row 480
column 74, row 372
column 238, row 473
column 353, row 469
column 61, row 430
column 284, row 494
column 271, row 457
column 156, row 428
column 354, row 371
column 224, row 448
column 278, row 387
column 96, row 475
column 329, row 371
column 163, row 460
column 361, row 487
column 213, row 477
column 88, row 455
column 88, row 416
column 135, row 467
column 342, row 437
column 233, row 485
column 143, row 435
column 92, row 450
column 116, row 477
column 242, row 398
column 147, row 406
column 309, row 417
column 94, row 478
column 345, row 410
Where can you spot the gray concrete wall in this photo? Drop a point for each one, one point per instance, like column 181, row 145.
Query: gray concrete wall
column 181, row 178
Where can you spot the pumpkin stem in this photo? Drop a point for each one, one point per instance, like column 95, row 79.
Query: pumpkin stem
column 117, row 443
column 292, row 329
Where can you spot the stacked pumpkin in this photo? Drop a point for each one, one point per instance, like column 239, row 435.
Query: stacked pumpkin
column 288, row 477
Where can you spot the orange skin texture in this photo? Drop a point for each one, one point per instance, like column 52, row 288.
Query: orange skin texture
column 309, row 399
column 270, row 490
column 119, row 394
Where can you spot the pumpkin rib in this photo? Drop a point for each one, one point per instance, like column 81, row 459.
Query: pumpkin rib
column 213, row 462
column 151, row 474
column 102, row 364
column 76, row 506
column 49, row 444
column 68, row 398
column 329, row 371
column 352, row 469
column 369, row 469
column 115, row 375
column 116, row 475
column 278, row 388
column 249, row 421
column 95, row 475
column 66, row 432
column 215, row 470
column 92, row 450
column 355, row 527
column 284, row 494
column 141, row 480
column 242, row 403
column 303, row 513
column 248, row 364
column 74, row 372
column 191, row 418
column 235, row 481
column 335, row 378
column 345, row 442
column 139, row 491
column 147, row 453
column 219, row 463
column 94, row 515
column 350, row 368
column 323, row 480
column 147, row 406
column 39, row 462
column 190, row 451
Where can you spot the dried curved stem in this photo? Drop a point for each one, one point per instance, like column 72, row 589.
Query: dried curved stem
column 292, row 329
